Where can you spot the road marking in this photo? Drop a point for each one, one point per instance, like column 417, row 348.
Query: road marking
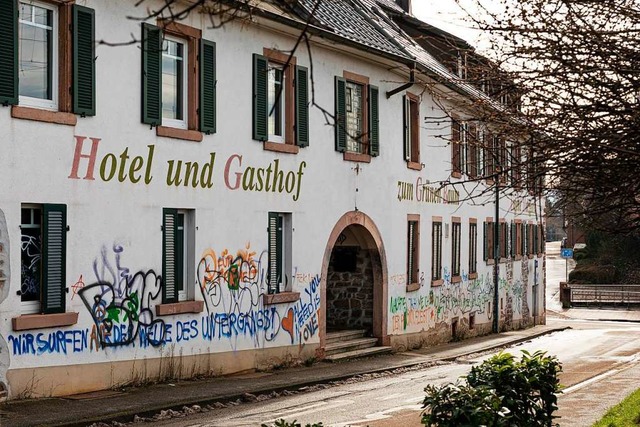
column 584, row 383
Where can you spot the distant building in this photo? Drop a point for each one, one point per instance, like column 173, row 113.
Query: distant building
column 181, row 206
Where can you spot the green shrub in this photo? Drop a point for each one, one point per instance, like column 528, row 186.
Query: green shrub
column 596, row 274
column 499, row 392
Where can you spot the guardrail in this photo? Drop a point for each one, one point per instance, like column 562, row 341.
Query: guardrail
column 599, row 295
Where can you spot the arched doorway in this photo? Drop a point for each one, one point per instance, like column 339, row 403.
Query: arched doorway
column 354, row 278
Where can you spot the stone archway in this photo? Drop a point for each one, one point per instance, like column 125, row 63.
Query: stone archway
column 356, row 237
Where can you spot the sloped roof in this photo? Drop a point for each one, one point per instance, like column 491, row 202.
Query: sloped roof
column 349, row 20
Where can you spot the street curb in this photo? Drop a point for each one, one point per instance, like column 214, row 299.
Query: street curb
column 127, row 416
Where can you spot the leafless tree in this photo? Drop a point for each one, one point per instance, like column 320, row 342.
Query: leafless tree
column 575, row 68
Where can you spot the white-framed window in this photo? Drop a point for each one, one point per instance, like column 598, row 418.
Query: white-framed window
column 355, row 102
column 276, row 102
column 43, row 258
column 38, row 50
column 174, row 82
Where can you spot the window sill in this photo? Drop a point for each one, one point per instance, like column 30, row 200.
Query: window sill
column 281, row 298
column 473, row 275
column 518, row 257
column 185, row 134
column 280, row 147
column 179, row 308
column 356, row 157
column 40, row 321
column 491, row 261
column 489, row 182
column 456, row 279
column 438, row 282
column 456, row 175
column 413, row 287
column 414, row 165
column 38, row 115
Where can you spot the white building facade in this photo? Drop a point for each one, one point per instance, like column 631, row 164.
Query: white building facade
column 166, row 210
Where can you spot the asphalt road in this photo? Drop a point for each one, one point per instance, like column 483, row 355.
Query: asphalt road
column 594, row 355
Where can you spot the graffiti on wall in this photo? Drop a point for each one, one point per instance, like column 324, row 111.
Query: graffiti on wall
column 443, row 302
column 233, row 288
column 121, row 302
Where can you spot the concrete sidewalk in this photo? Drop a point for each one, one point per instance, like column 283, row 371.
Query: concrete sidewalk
column 123, row 405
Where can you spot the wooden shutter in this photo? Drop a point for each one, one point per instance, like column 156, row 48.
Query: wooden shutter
column 260, row 93
column 207, row 106
column 302, row 106
column 472, row 150
column 514, row 243
column 485, row 249
column 169, row 240
column 455, row 145
column 54, row 257
column 8, row 52
column 275, row 252
column 151, row 75
column 84, row 66
column 374, row 119
column 340, row 114
column 406, row 117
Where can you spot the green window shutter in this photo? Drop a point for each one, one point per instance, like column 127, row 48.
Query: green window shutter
column 54, row 258
column 406, row 117
column 274, row 273
column 513, row 239
column 8, row 52
column 374, row 118
column 169, row 256
column 341, row 114
column 302, row 106
column 260, row 113
column 151, row 75
column 84, row 66
column 207, row 106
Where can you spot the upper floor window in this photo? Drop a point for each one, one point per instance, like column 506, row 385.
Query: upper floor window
column 178, row 103
column 411, row 115
column 280, row 102
column 174, row 82
column 357, row 117
column 38, row 55
column 47, row 58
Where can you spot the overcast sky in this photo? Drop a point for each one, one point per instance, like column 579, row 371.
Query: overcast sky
column 447, row 15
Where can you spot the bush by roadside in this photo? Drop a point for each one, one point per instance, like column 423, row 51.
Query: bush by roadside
column 502, row 391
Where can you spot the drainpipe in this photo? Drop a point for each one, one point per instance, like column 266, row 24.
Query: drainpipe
column 412, row 80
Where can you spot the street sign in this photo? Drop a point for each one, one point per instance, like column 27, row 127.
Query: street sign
column 566, row 253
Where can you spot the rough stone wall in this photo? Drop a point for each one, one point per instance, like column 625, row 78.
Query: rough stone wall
column 350, row 294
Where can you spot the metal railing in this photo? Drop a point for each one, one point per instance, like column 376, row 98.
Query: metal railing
column 604, row 295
